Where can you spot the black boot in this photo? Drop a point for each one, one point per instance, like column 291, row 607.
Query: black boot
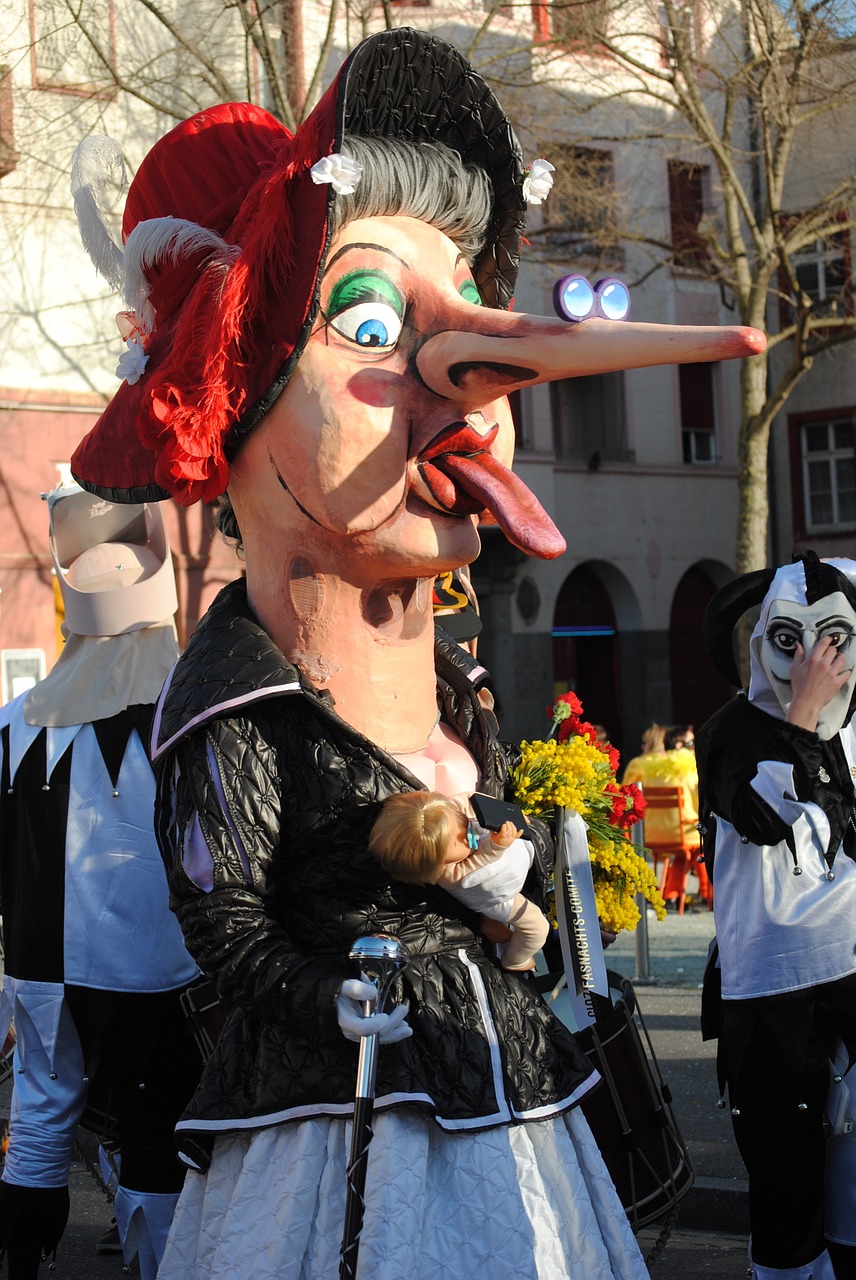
column 843, row 1260
column 32, row 1220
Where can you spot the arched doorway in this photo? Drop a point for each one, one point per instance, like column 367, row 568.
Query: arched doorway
column 585, row 648
column 698, row 690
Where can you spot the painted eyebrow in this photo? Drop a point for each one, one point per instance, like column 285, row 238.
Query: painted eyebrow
column 823, row 622
column 783, row 617
column 346, row 248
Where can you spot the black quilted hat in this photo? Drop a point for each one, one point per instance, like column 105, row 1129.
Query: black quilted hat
column 415, row 87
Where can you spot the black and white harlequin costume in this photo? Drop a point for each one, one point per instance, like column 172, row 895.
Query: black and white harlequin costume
column 778, row 803
column 94, row 961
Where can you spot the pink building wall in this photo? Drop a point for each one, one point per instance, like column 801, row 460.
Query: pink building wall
column 38, row 432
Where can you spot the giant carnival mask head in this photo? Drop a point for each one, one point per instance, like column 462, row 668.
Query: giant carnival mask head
column 114, row 570
column 320, row 319
column 112, row 563
column 801, row 604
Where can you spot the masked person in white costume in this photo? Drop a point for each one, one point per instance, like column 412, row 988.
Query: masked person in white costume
column 776, row 774
column 95, row 961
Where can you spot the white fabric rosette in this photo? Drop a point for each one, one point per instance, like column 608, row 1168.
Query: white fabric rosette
column 340, row 171
column 538, row 182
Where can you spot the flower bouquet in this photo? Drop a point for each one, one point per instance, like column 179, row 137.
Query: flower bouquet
column 572, row 770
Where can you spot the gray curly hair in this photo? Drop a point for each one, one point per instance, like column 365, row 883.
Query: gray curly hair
column 424, row 180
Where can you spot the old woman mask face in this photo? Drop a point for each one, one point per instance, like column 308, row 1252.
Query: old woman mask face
column 361, row 444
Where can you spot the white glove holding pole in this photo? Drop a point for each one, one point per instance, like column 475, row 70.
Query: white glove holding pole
column 354, row 1024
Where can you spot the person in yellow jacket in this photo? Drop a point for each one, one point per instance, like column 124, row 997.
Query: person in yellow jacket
column 674, row 766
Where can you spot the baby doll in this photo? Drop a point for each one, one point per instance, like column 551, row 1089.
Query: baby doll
column 428, row 838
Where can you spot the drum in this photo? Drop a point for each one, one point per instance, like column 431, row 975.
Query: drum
column 205, row 1013
column 7, row 1056
column 630, row 1113
column 7, row 1070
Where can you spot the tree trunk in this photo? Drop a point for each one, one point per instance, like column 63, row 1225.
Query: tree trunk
column 752, row 450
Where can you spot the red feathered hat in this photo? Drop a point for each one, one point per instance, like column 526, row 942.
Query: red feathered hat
column 227, row 232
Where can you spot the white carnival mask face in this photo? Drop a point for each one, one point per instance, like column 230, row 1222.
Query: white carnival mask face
column 790, row 624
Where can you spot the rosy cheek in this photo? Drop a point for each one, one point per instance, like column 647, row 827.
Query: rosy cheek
column 378, row 388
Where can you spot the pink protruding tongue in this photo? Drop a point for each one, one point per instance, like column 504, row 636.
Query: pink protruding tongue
column 518, row 512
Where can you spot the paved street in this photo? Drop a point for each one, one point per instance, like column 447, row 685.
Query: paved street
column 698, row 1255
column 670, row 1003
column 711, row 1237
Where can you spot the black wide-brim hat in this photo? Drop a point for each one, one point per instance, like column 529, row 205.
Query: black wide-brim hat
column 230, row 324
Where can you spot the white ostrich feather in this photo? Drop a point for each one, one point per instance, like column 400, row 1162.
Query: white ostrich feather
column 98, row 180
column 156, row 240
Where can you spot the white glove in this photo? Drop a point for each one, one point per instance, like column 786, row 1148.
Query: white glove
column 354, row 1024
column 496, row 884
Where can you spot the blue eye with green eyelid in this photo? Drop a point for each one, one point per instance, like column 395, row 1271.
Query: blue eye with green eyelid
column 366, row 309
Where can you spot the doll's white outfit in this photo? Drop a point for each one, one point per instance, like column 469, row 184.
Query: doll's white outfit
column 470, row 881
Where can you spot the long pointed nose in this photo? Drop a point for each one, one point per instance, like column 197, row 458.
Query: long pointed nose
column 500, row 352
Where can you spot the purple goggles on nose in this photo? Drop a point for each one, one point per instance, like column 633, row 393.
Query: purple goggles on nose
column 575, row 299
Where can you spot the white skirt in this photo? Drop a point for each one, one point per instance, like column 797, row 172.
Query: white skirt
column 532, row 1201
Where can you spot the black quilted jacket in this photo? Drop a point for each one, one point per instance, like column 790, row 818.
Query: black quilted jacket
column 284, row 793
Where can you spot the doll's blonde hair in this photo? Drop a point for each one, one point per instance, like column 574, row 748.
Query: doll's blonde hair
column 412, row 834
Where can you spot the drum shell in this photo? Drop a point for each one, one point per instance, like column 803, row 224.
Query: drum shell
column 630, row 1112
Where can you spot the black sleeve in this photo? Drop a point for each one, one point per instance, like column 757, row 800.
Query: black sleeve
column 731, row 751
column 229, row 928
